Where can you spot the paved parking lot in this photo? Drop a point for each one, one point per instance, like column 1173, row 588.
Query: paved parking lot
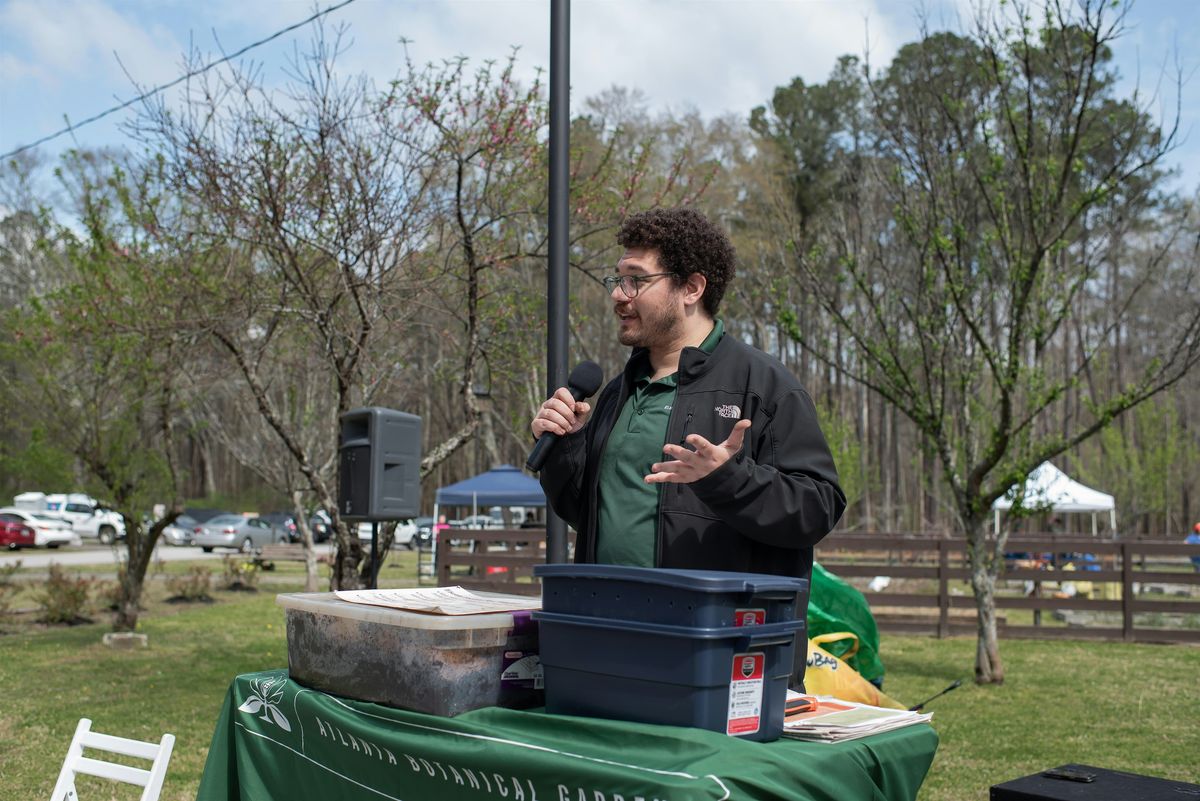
column 101, row 555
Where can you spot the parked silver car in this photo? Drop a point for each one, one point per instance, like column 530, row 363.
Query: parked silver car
column 181, row 531
column 234, row 531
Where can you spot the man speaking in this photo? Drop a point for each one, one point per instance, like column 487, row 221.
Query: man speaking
column 705, row 453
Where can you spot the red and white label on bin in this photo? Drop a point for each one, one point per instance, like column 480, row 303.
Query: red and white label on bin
column 749, row 617
column 746, row 694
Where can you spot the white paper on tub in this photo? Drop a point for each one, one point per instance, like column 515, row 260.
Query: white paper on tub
column 441, row 600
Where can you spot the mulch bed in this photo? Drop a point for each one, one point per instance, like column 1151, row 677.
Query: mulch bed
column 183, row 599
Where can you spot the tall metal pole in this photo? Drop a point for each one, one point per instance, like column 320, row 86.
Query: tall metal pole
column 556, row 290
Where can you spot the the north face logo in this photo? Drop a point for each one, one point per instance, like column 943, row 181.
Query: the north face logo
column 729, row 411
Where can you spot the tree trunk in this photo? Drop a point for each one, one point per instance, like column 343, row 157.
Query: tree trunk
column 132, row 576
column 347, row 560
column 866, row 454
column 208, row 484
column 127, row 605
column 487, row 434
column 929, row 505
column 310, row 555
column 988, row 667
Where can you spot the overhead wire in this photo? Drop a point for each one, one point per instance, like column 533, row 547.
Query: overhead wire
column 179, row 80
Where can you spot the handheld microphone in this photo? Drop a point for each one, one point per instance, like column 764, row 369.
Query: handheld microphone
column 583, row 382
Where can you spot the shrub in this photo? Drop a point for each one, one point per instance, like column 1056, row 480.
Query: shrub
column 65, row 598
column 239, row 574
column 109, row 592
column 8, row 588
column 194, row 585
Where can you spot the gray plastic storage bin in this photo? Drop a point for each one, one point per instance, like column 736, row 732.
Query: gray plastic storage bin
column 439, row 664
column 705, row 598
column 730, row 679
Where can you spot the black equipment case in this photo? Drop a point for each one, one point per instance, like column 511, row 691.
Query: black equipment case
column 1106, row 785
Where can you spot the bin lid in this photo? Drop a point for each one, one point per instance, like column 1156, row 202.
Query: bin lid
column 696, row 580
column 760, row 632
column 326, row 603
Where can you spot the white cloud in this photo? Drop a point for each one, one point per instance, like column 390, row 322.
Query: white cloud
column 17, row 69
column 57, row 42
column 716, row 56
column 713, row 55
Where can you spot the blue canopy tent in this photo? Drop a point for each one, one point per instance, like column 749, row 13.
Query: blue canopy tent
column 503, row 485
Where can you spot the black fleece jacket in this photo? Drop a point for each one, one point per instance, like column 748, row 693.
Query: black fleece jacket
column 760, row 512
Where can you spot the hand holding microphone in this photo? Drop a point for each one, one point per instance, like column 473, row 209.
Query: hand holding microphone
column 565, row 412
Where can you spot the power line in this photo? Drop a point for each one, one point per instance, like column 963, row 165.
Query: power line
column 177, row 81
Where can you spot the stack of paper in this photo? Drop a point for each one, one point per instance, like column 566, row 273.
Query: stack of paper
column 834, row 720
column 441, row 600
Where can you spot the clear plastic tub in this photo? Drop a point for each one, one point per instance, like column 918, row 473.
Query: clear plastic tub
column 438, row 664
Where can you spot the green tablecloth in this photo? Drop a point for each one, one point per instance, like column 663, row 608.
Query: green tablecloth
column 279, row 740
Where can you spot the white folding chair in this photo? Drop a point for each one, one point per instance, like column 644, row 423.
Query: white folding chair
column 158, row 754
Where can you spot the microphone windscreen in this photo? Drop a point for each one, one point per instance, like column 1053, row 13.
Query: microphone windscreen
column 585, row 379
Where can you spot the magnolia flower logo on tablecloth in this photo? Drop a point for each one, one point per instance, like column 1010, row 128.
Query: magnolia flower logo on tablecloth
column 265, row 694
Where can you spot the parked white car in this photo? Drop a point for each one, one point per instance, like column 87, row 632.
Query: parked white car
column 48, row 532
column 406, row 530
column 478, row 521
column 83, row 514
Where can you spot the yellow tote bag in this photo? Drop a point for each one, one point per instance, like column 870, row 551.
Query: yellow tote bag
column 828, row 675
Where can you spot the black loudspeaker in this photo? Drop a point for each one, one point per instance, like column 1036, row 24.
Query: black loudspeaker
column 379, row 461
column 1105, row 785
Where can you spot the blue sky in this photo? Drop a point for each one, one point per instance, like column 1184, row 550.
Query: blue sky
column 79, row 57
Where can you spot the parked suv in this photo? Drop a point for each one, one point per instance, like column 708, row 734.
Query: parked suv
column 285, row 521
column 321, row 526
column 425, row 529
column 87, row 517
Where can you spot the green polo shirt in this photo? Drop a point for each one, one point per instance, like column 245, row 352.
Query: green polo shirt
column 628, row 519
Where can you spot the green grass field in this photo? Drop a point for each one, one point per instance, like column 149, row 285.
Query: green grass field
column 1129, row 707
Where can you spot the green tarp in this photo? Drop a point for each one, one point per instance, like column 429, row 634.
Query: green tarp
column 835, row 606
column 278, row 740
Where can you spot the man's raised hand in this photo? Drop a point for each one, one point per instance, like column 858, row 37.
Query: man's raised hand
column 687, row 466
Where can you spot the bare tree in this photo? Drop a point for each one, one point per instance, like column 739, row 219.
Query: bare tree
column 983, row 220
column 219, row 403
column 306, row 226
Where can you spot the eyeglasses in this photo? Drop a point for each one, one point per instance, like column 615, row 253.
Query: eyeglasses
column 630, row 284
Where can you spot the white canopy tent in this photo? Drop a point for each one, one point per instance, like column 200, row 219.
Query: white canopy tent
column 1051, row 489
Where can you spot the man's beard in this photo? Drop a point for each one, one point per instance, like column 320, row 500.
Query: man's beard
column 660, row 328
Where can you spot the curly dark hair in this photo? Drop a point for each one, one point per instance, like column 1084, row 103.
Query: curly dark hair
column 687, row 242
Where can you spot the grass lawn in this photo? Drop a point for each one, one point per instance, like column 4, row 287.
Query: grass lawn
column 1129, row 707
column 1117, row 706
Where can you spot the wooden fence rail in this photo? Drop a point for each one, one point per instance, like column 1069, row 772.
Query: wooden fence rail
column 495, row 560
column 1127, row 570
column 936, row 601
